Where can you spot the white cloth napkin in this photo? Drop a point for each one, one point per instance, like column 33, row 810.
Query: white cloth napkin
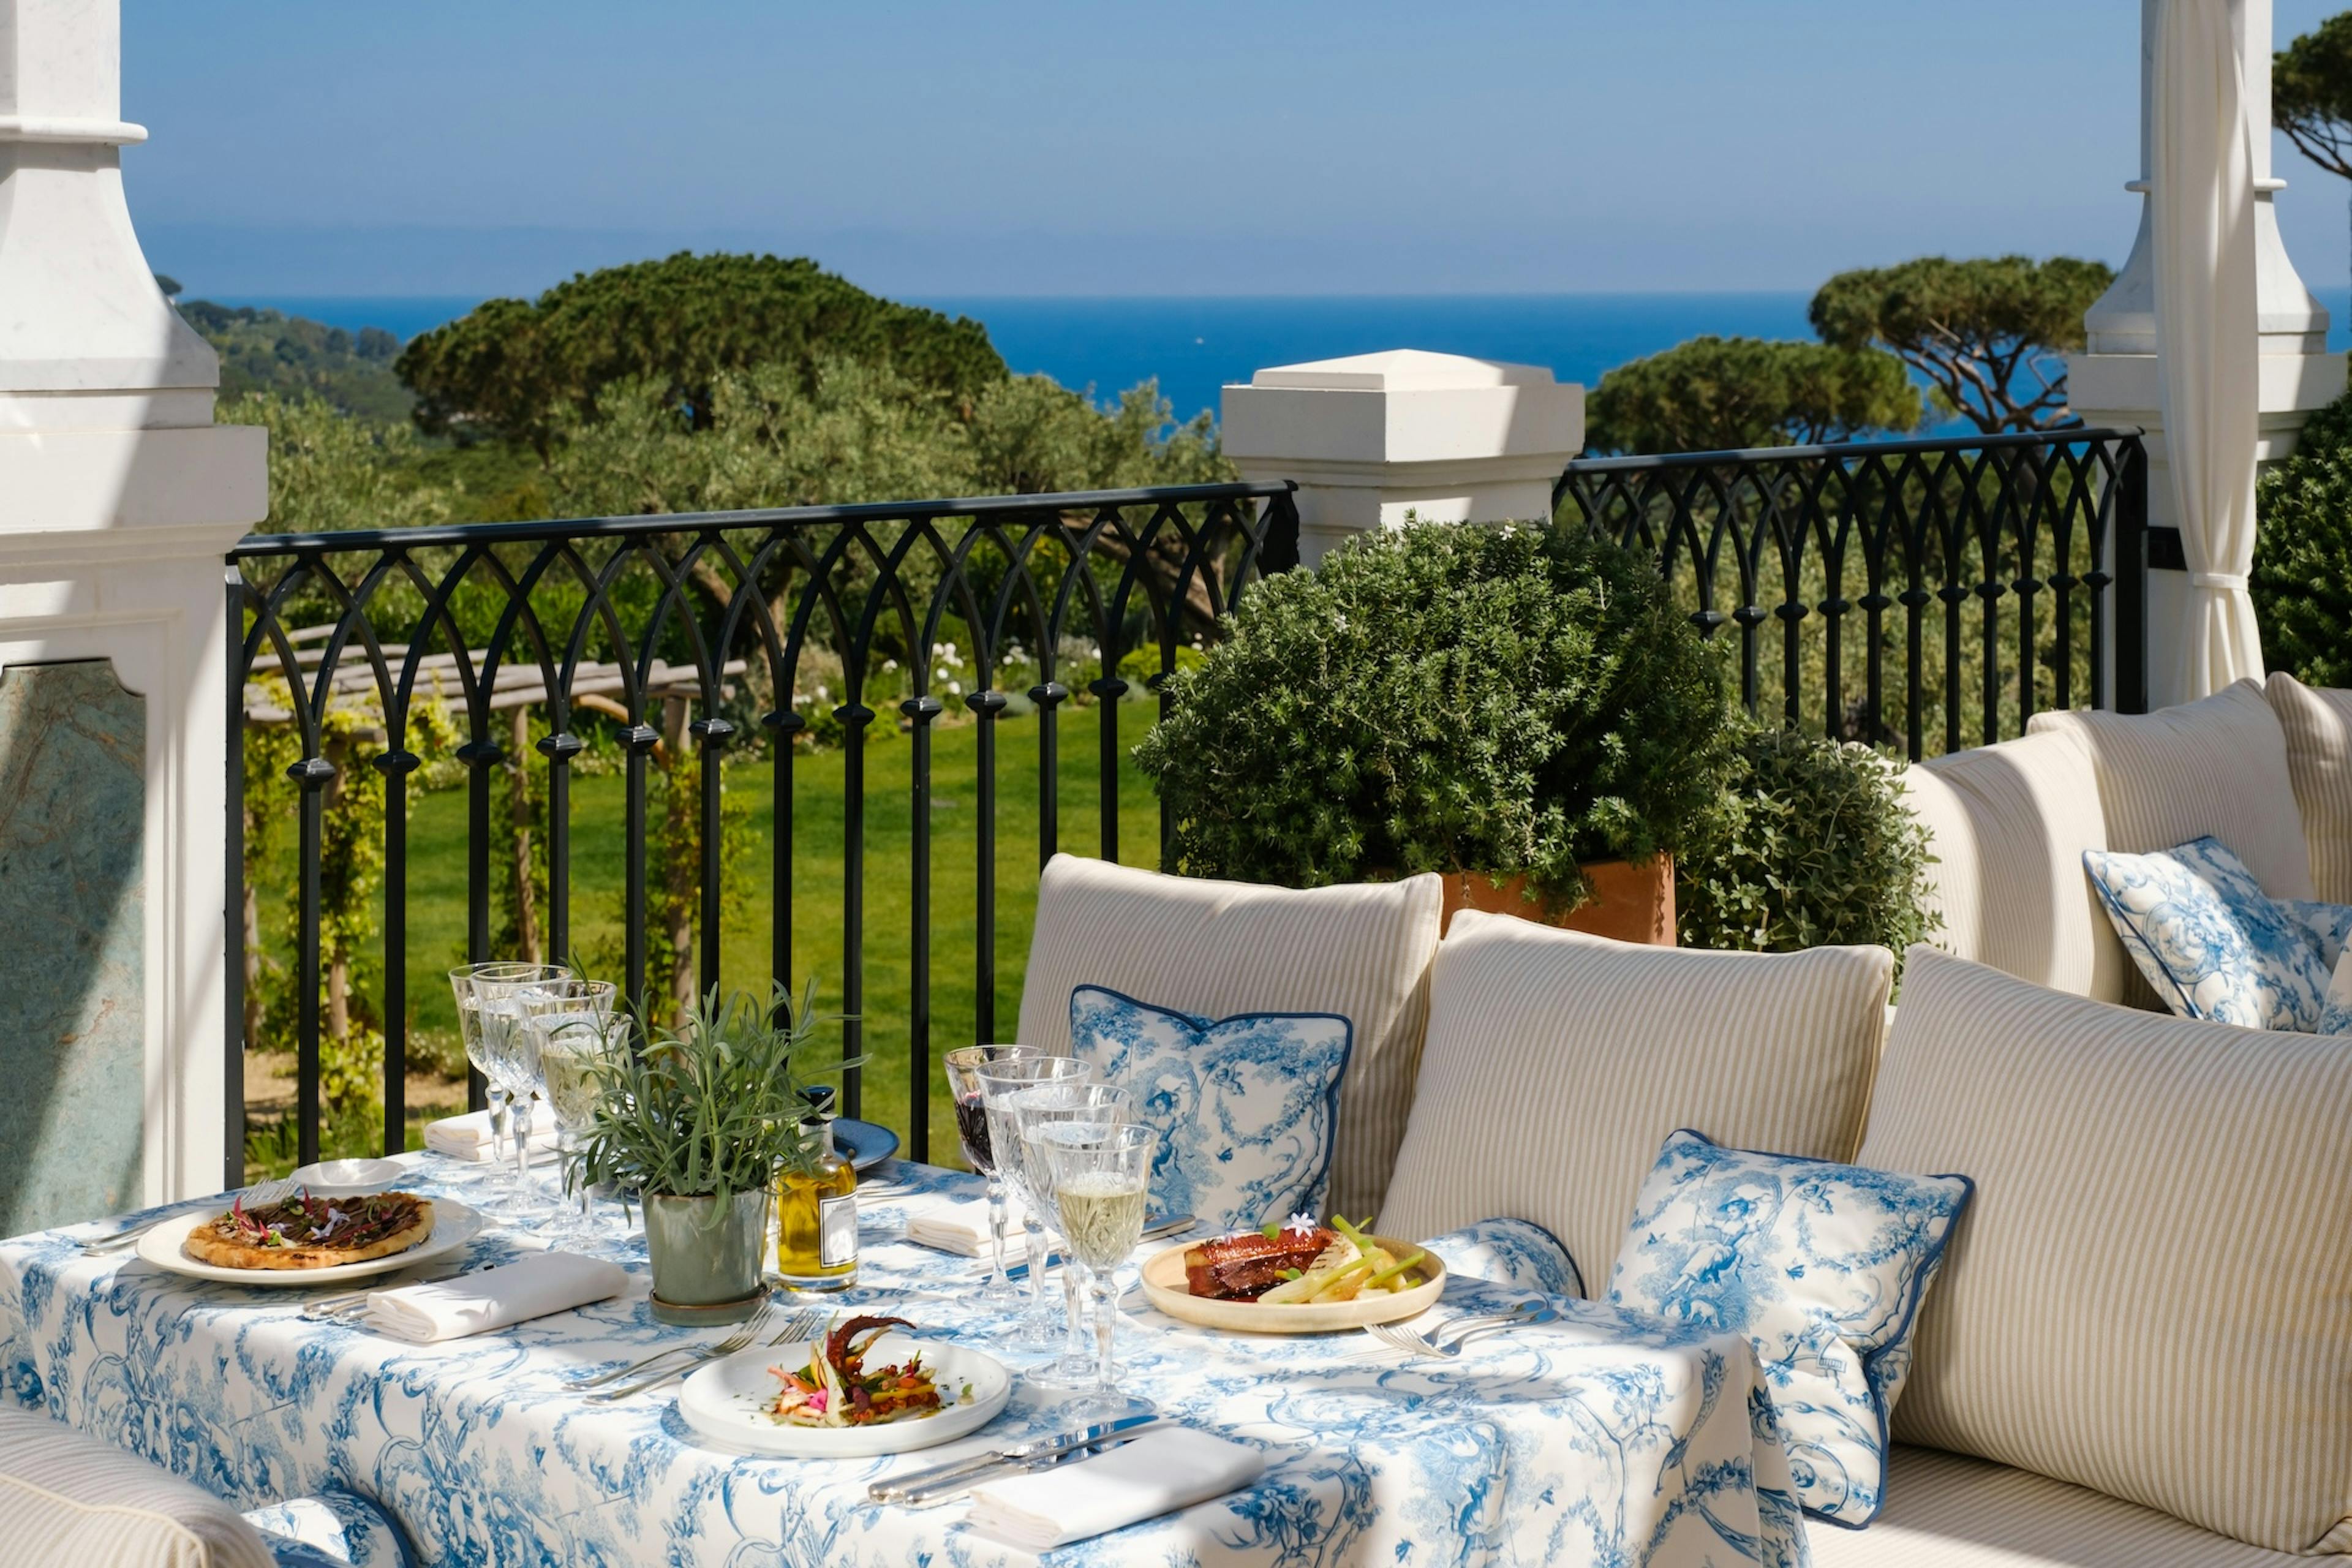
column 962, row 1228
column 476, row 1303
column 1158, row 1473
column 467, row 1137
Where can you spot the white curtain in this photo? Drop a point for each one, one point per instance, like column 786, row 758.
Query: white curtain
column 2208, row 331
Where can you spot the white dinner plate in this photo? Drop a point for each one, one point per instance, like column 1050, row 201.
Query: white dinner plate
column 454, row 1224
column 340, row 1177
column 723, row 1401
column 1163, row 1285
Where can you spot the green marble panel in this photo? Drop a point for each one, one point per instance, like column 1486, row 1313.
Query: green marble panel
column 73, row 748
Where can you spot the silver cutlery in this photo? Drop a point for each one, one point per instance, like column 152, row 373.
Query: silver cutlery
column 253, row 1197
column 918, row 1487
column 1413, row 1344
column 1154, row 1230
column 737, row 1339
column 800, row 1326
column 342, row 1303
column 1385, row 1341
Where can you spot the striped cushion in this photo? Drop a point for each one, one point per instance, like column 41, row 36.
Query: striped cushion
column 2007, row 825
column 1946, row 1511
column 2216, row 766
column 1220, row 948
column 67, row 1498
column 1558, row 1062
column 2150, row 1295
column 2318, row 726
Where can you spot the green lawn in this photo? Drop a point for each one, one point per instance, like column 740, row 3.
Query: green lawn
column 437, row 883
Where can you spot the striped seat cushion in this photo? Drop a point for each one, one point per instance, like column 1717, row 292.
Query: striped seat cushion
column 1944, row 1510
column 1215, row 949
column 2150, row 1295
column 2007, row 825
column 69, row 1499
column 1556, row 1064
column 2317, row 723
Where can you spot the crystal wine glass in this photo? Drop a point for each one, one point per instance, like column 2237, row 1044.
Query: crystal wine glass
column 504, row 1000
column 1100, row 1191
column 1052, row 1115
column 470, row 983
column 1000, row 1083
column 572, row 1044
column 963, row 1067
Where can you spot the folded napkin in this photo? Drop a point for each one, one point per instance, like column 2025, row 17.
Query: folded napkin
column 493, row 1298
column 962, row 1228
column 467, row 1137
column 1158, row 1473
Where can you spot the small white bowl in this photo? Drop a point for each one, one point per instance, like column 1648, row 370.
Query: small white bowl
column 352, row 1175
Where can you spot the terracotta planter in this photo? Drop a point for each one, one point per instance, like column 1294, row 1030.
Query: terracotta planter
column 1631, row 902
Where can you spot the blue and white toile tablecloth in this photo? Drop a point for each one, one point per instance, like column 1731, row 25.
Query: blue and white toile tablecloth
column 1606, row 1439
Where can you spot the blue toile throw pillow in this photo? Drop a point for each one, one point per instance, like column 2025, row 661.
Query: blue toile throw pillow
column 1822, row 1267
column 2210, row 941
column 1244, row 1106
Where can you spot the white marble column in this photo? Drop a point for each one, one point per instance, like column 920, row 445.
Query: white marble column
column 1373, row 436
column 119, row 497
column 2116, row 381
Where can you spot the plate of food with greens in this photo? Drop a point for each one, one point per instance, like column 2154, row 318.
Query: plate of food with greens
column 862, row 1388
column 1295, row 1276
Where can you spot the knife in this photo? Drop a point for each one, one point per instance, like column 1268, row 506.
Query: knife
column 918, row 1485
column 1157, row 1230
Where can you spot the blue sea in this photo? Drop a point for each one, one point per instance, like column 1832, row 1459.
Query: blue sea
column 1196, row 345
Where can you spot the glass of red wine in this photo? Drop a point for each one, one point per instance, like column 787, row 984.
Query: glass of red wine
column 964, row 1066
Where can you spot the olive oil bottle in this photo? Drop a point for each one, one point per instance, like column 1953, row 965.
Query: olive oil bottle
column 816, row 1211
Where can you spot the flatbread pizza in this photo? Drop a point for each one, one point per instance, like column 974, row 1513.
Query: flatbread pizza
column 306, row 1232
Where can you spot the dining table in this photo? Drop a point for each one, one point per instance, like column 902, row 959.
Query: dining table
column 1599, row 1437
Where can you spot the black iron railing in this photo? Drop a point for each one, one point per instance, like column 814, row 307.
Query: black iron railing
column 1973, row 581
column 659, row 647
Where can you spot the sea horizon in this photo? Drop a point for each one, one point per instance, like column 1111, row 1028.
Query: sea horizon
column 1195, row 344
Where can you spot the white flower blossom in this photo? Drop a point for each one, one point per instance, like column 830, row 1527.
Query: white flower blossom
column 891, row 666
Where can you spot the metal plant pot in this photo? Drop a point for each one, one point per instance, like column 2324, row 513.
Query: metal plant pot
column 707, row 1258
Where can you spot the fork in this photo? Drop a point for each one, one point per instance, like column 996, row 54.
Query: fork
column 1396, row 1336
column 800, row 1326
column 740, row 1336
column 256, row 1197
column 1413, row 1344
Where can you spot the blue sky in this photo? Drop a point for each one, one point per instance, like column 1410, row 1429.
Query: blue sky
column 1033, row 147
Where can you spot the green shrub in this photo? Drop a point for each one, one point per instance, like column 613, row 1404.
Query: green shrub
column 2301, row 581
column 1811, row 844
column 1511, row 700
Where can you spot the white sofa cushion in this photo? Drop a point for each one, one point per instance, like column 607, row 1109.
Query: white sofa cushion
column 2007, row 825
column 2149, row 1295
column 1947, row 1511
column 2216, row 766
column 2318, row 723
column 1556, row 1064
column 68, row 1498
column 1214, row 948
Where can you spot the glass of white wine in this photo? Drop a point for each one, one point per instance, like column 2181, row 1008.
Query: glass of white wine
column 1000, row 1083
column 574, row 1045
column 1077, row 1114
column 1099, row 1190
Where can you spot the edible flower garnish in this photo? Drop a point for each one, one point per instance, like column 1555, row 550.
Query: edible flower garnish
column 834, row 1388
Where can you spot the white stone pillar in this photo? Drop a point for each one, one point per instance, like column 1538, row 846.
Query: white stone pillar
column 118, row 498
column 2115, row 380
column 1373, row 436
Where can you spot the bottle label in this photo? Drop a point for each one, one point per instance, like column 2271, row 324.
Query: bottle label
column 836, row 1227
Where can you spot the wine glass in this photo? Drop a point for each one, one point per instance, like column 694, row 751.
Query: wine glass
column 1100, row 1189
column 1052, row 1115
column 572, row 1045
column 963, row 1067
column 470, row 983
column 999, row 1083
column 509, row 1059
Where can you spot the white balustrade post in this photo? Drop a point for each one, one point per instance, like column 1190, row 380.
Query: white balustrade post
column 1370, row 437
column 118, row 498
column 2116, row 381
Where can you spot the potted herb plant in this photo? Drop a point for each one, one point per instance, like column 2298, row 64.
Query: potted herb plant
column 1519, row 707
column 697, row 1126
